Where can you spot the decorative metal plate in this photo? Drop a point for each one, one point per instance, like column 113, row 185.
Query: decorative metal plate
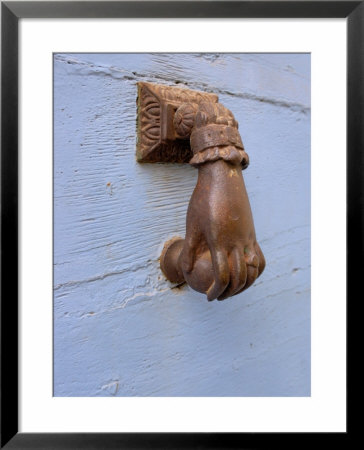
column 157, row 137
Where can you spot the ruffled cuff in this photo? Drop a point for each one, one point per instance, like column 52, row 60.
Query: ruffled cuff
column 227, row 153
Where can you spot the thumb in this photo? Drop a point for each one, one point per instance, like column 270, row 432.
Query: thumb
column 188, row 254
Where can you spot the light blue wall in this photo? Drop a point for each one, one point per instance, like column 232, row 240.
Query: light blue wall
column 119, row 328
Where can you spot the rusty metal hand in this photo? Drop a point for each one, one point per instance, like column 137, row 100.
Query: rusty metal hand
column 220, row 255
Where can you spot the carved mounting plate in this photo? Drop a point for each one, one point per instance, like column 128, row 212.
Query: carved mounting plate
column 157, row 138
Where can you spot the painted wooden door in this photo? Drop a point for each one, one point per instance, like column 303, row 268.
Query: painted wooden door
column 120, row 329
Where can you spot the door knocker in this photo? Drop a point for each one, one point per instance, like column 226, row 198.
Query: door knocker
column 220, row 255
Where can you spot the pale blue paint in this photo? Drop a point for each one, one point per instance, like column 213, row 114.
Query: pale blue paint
column 118, row 327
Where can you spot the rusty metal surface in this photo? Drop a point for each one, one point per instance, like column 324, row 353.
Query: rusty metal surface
column 158, row 140
column 220, row 255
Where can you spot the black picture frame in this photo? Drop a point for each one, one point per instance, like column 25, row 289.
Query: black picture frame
column 11, row 12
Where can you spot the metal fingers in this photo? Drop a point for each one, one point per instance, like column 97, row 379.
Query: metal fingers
column 235, row 272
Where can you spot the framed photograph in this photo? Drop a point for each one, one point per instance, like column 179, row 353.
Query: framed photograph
column 110, row 340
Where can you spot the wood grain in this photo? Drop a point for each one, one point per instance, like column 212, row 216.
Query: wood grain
column 119, row 327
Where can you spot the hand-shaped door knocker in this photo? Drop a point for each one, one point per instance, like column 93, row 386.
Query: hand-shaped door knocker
column 220, row 255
